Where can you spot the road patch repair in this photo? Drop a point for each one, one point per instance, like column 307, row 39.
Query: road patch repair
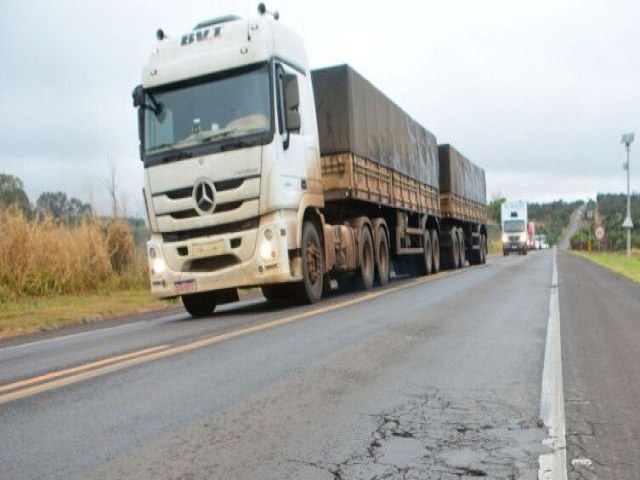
column 553, row 465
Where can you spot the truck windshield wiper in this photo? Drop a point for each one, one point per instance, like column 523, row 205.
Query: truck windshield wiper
column 238, row 144
column 175, row 154
column 219, row 135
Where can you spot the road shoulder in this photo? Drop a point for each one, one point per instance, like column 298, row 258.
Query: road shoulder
column 600, row 327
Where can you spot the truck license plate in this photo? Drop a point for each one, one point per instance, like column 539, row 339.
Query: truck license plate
column 208, row 249
column 185, row 286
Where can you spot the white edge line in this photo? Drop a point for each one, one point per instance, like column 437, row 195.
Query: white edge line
column 553, row 465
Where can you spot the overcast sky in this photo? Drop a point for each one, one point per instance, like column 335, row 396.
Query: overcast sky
column 536, row 92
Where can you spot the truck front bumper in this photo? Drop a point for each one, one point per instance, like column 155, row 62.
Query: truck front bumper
column 232, row 260
column 513, row 246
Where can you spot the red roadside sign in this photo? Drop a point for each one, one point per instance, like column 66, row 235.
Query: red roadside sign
column 600, row 232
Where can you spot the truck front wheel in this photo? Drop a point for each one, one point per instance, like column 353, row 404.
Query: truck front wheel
column 199, row 304
column 310, row 289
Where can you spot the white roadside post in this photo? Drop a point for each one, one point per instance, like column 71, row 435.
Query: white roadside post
column 627, row 140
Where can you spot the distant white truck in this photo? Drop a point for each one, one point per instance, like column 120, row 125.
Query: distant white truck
column 513, row 221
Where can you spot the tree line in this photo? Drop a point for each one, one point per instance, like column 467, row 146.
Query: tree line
column 54, row 204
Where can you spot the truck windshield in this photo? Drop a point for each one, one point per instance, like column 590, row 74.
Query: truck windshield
column 212, row 111
column 513, row 226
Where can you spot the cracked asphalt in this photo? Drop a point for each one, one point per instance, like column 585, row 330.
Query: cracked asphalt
column 436, row 380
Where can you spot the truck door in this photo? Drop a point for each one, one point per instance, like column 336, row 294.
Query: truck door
column 293, row 145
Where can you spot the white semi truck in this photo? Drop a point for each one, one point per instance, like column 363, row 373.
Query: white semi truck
column 262, row 173
column 514, row 223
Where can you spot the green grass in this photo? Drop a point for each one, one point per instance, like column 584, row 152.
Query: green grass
column 28, row 315
column 617, row 262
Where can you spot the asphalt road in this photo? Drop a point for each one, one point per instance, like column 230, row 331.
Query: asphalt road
column 428, row 378
column 600, row 322
column 574, row 223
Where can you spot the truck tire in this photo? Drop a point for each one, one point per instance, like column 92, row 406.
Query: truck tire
column 383, row 261
column 463, row 251
column 452, row 257
column 278, row 292
column 483, row 248
column 366, row 272
column 435, row 247
column 427, row 256
column 199, row 304
column 310, row 288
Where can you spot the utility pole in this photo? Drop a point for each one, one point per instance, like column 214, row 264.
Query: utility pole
column 627, row 140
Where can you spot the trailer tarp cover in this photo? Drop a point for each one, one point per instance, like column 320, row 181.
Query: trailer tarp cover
column 354, row 116
column 461, row 177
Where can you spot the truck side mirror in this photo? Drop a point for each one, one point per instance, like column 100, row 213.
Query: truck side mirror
column 141, row 132
column 291, row 102
column 138, row 96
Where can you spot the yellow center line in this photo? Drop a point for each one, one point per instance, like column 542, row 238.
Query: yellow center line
column 88, row 366
column 102, row 367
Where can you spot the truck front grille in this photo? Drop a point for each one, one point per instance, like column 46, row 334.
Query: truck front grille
column 221, row 186
column 211, row 264
column 250, row 224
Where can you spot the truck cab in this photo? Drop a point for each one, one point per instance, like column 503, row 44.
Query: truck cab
column 515, row 237
column 229, row 143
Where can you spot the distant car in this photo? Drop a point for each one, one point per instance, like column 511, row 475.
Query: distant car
column 538, row 245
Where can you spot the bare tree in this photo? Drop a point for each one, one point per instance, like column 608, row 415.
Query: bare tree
column 110, row 183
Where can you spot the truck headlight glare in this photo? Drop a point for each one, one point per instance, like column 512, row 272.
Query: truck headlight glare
column 267, row 251
column 157, row 266
column 505, row 238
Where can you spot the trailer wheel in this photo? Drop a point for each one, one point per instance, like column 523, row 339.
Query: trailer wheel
column 483, row 248
column 427, row 257
column 453, row 252
column 435, row 247
column 463, row 256
column 310, row 289
column 382, row 257
column 365, row 275
column 199, row 304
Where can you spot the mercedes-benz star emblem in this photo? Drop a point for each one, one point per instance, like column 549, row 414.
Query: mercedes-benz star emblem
column 204, row 194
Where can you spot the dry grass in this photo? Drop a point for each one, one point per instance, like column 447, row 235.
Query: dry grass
column 44, row 258
column 28, row 315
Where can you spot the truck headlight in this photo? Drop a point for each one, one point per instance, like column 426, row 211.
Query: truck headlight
column 523, row 237
column 157, row 266
column 505, row 238
column 156, row 262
